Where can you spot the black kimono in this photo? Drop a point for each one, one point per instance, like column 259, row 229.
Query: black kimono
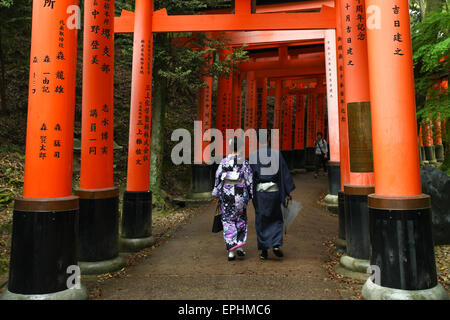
column 269, row 219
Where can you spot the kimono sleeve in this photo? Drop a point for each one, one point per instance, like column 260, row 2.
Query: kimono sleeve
column 248, row 177
column 217, row 182
column 286, row 182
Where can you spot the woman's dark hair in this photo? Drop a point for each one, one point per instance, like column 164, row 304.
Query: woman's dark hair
column 319, row 133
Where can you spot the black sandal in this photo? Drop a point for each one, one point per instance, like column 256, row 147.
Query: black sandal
column 264, row 255
column 277, row 251
column 241, row 253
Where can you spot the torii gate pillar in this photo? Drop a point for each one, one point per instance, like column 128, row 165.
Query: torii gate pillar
column 287, row 126
column 299, row 135
column 402, row 254
column 202, row 175
column 358, row 163
column 428, row 142
column 438, row 146
column 98, row 242
column 45, row 220
column 334, row 168
column 137, row 199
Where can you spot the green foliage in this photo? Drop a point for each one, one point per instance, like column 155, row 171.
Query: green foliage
column 6, row 3
column 431, row 47
column 182, row 66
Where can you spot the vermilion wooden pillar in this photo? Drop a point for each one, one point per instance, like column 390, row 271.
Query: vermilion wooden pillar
column 430, row 155
column 237, row 102
column 320, row 115
column 261, row 103
column 400, row 215
column 224, row 101
column 334, row 174
column 421, row 147
column 438, row 146
column 45, row 220
column 358, row 126
column 137, row 199
column 278, row 109
column 98, row 242
column 287, row 131
column 299, row 133
column 343, row 134
column 201, row 170
column 250, row 112
column 311, row 130
column 287, row 119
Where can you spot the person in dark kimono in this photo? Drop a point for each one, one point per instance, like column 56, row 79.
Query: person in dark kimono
column 234, row 188
column 273, row 186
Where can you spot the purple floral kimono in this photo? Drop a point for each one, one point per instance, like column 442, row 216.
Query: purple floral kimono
column 234, row 188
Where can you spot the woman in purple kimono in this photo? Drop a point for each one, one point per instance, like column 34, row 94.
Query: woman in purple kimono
column 234, row 188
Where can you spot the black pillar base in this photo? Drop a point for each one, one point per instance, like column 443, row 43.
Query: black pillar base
column 341, row 242
column 136, row 221
column 202, row 181
column 299, row 159
column 357, row 221
column 334, row 177
column 288, row 156
column 430, row 155
column 439, row 152
column 310, row 159
column 402, row 249
column 98, row 242
column 43, row 247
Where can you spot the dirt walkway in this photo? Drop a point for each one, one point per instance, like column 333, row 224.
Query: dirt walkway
column 192, row 263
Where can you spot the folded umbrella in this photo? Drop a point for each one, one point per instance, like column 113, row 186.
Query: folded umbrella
column 290, row 213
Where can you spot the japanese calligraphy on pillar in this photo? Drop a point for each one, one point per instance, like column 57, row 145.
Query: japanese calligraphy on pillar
column 311, row 121
column 141, row 99
column 354, row 28
column 228, row 100
column 250, row 112
column 237, row 102
column 278, row 105
column 397, row 37
column 98, row 96
column 204, row 115
column 48, row 82
column 299, row 133
column 261, row 103
column 320, row 114
column 341, row 97
column 357, row 93
column 332, row 94
column 288, row 119
column 224, row 99
column 223, row 112
column 51, row 102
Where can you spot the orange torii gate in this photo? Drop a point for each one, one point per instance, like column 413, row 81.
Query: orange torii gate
column 398, row 211
column 253, row 117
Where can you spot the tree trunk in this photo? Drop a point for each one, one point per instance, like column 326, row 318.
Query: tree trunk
column 433, row 6
column 2, row 79
column 157, row 141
